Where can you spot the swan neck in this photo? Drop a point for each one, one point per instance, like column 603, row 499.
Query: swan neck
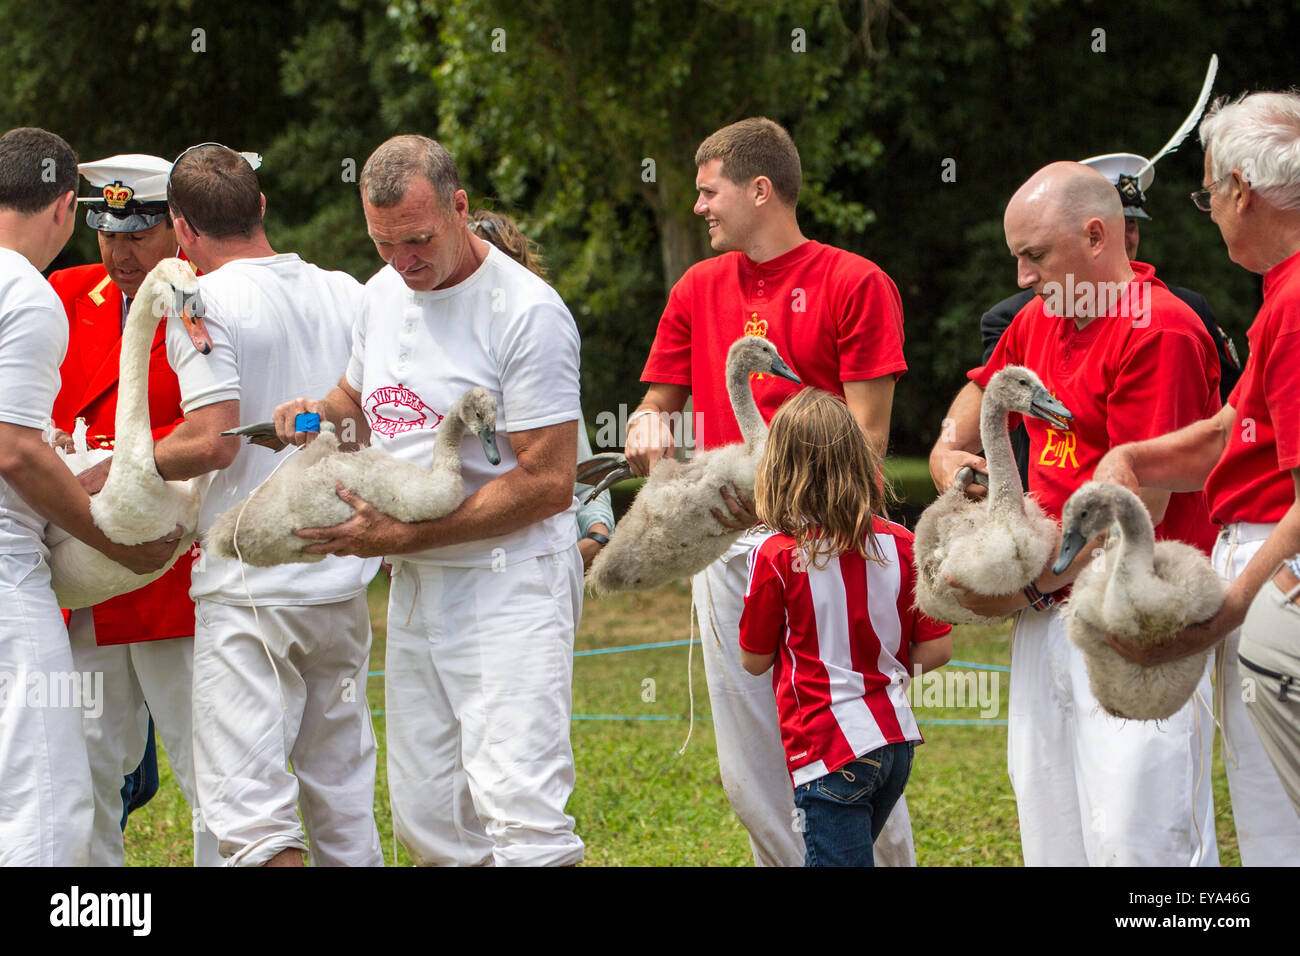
column 447, row 443
column 1137, row 537
column 1004, row 476
column 133, row 438
column 748, row 417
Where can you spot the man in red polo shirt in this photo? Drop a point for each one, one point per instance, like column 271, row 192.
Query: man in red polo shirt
column 1130, row 360
column 1247, row 457
column 837, row 320
column 142, row 642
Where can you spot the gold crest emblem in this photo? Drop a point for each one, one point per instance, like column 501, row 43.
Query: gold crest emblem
column 118, row 195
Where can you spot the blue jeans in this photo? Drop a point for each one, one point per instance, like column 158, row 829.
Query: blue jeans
column 844, row 811
column 139, row 788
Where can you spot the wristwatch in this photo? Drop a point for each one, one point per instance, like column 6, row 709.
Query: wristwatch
column 600, row 539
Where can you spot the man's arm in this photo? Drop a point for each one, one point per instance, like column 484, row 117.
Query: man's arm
column 959, row 439
column 871, row 403
column 540, row 485
column 32, row 469
column 342, row 407
column 1179, row 461
column 196, row 446
column 1282, row 543
column 650, row 438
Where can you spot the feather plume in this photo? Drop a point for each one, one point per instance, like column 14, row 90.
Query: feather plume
column 1190, row 123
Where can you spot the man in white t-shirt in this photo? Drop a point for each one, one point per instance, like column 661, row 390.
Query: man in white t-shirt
column 485, row 600
column 47, row 809
column 280, row 654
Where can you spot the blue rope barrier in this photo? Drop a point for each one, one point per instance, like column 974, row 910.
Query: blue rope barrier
column 979, row 667
column 634, row 647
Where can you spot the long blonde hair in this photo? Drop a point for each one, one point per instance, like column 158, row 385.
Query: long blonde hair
column 504, row 233
column 819, row 480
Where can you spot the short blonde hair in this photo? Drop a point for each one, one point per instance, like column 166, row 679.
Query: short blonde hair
column 820, row 481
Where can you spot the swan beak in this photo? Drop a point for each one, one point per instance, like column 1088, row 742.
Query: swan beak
column 1072, row 543
column 780, row 368
column 487, row 437
column 1044, row 406
column 191, row 310
column 601, row 472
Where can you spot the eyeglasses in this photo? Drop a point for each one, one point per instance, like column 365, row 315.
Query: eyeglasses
column 1201, row 198
column 253, row 159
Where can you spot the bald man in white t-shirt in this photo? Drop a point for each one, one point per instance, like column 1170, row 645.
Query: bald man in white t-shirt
column 484, row 601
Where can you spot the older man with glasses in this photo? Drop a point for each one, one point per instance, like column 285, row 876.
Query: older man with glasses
column 1247, row 458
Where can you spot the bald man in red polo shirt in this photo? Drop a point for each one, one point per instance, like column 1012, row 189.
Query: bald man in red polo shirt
column 1130, row 360
column 1247, row 457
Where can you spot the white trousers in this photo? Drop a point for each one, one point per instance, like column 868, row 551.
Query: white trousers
column 1094, row 790
column 751, row 757
column 478, row 679
column 251, row 719
column 46, row 809
column 1268, row 830
column 156, row 673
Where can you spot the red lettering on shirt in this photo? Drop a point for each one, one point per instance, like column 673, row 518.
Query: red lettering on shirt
column 395, row 410
column 1058, row 449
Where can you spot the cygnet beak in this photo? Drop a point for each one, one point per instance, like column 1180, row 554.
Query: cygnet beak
column 1044, row 406
column 487, row 436
column 1072, row 543
column 780, row 368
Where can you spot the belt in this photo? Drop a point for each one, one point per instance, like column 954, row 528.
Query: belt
column 1285, row 679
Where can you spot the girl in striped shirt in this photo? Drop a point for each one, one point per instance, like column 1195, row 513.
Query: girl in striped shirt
column 830, row 609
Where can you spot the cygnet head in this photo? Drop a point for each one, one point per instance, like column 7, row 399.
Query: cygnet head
column 750, row 353
column 1017, row 389
column 1088, row 512
column 477, row 409
column 172, row 288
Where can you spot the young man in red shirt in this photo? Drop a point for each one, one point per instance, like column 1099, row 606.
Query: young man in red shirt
column 1130, row 361
column 1247, row 457
column 837, row 320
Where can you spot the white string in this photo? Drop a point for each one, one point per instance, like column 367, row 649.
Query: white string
column 690, row 674
column 1200, row 702
column 690, row 652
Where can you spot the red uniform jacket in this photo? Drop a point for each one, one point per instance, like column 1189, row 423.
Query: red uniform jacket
column 89, row 390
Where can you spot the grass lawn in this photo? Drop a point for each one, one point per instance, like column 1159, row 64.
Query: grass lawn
column 638, row 803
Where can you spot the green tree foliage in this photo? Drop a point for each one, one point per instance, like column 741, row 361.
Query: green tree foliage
column 584, row 118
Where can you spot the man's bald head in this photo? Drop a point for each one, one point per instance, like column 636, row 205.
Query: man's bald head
column 1070, row 194
column 1066, row 224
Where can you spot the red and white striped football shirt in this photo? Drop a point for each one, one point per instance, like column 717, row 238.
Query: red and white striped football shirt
column 841, row 635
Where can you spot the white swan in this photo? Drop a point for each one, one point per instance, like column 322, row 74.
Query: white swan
column 1137, row 588
column 302, row 494
column 669, row 532
column 996, row 546
column 135, row 505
